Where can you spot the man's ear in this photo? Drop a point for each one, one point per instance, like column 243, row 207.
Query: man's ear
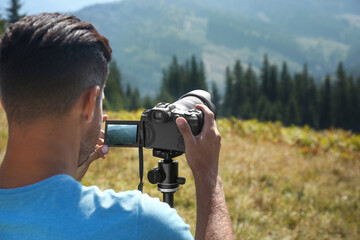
column 88, row 103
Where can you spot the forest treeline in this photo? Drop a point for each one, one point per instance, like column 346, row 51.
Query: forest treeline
column 272, row 95
column 277, row 95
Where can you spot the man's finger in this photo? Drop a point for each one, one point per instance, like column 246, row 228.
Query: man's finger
column 185, row 130
column 100, row 152
column 100, row 141
column 104, row 149
column 208, row 116
column 102, row 134
column 105, row 117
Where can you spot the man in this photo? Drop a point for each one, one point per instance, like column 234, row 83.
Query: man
column 52, row 74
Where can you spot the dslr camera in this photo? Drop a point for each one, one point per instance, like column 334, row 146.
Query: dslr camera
column 157, row 126
column 157, row 129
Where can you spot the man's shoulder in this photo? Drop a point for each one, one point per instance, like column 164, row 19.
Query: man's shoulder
column 155, row 219
column 62, row 205
column 160, row 220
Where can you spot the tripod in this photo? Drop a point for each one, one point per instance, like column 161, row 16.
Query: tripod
column 165, row 175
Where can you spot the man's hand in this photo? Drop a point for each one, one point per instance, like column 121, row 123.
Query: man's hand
column 100, row 151
column 202, row 154
column 202, row 151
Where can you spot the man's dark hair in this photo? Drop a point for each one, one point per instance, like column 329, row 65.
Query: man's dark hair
column 46, row 62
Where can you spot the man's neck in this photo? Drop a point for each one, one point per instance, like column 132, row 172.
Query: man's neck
column 39, row 152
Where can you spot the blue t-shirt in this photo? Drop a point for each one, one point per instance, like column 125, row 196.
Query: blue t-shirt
column 61, row 208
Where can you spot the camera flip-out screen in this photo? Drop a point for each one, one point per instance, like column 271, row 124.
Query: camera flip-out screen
column 122, row 133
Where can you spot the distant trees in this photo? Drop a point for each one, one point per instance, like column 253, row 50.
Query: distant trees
column 13, row 15
column 177, row 79
column 215, row 95
column 326, row 107
column 115, row 96
column 274, row 95
column 13, row 11
column 2, row 24
column 181, row 78
column 278, row 96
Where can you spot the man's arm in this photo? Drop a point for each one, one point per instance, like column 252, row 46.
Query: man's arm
column 202, row 154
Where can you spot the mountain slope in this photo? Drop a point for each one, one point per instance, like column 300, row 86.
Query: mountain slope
column 145, row 34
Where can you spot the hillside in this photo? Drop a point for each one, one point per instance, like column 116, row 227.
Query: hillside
column 145, row 34
column 280, row 183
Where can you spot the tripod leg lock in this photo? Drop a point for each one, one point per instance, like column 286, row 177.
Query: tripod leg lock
column 181, row 180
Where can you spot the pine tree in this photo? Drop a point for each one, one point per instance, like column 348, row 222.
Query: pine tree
column 178, row 79
column 265, row 77
column 229, row 94
column 202, row 78
column 252, row 92
column 2, row 25
column 305, row 102
column 196, row 78
column 342, row 99
column 215, row 96
column 299, row 96
column 251, row 84
column 128, row 94
column 247, row 110
column 302, row 95
column 132, row 96
column 113, row 91
column 276, row 111
column 292, row 112
column 164, row 95
column 356, row 106
column 273, row 84
column 135, row 102
column 353, row 103
column 193, row 80
column 263, row 108
column 312, row 95
column 286, row 85
column 148, row 102
column 13, row 11
column 240, row 96
column 186, row 82
column 326, row 111
column 174, row 80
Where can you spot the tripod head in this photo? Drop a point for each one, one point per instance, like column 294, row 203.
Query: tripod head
column 165, row 175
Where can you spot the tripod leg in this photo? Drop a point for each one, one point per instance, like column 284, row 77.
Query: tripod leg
column 169, row 199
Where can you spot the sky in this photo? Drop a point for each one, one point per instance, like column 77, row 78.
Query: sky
column 39, row 6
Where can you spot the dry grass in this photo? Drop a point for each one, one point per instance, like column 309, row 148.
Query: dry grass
column 276, row 188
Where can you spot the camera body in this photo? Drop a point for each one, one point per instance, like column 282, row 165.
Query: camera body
column 157, row 127
column 160, row 130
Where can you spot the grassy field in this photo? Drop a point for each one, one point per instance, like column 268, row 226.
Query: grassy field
column 280, row 183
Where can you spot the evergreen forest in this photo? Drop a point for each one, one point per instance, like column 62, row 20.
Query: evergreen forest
column 273, row 95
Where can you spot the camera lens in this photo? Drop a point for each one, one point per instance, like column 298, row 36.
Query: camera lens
column 189, row 100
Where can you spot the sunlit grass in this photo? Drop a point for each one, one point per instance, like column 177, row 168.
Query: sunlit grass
column 280, row 183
